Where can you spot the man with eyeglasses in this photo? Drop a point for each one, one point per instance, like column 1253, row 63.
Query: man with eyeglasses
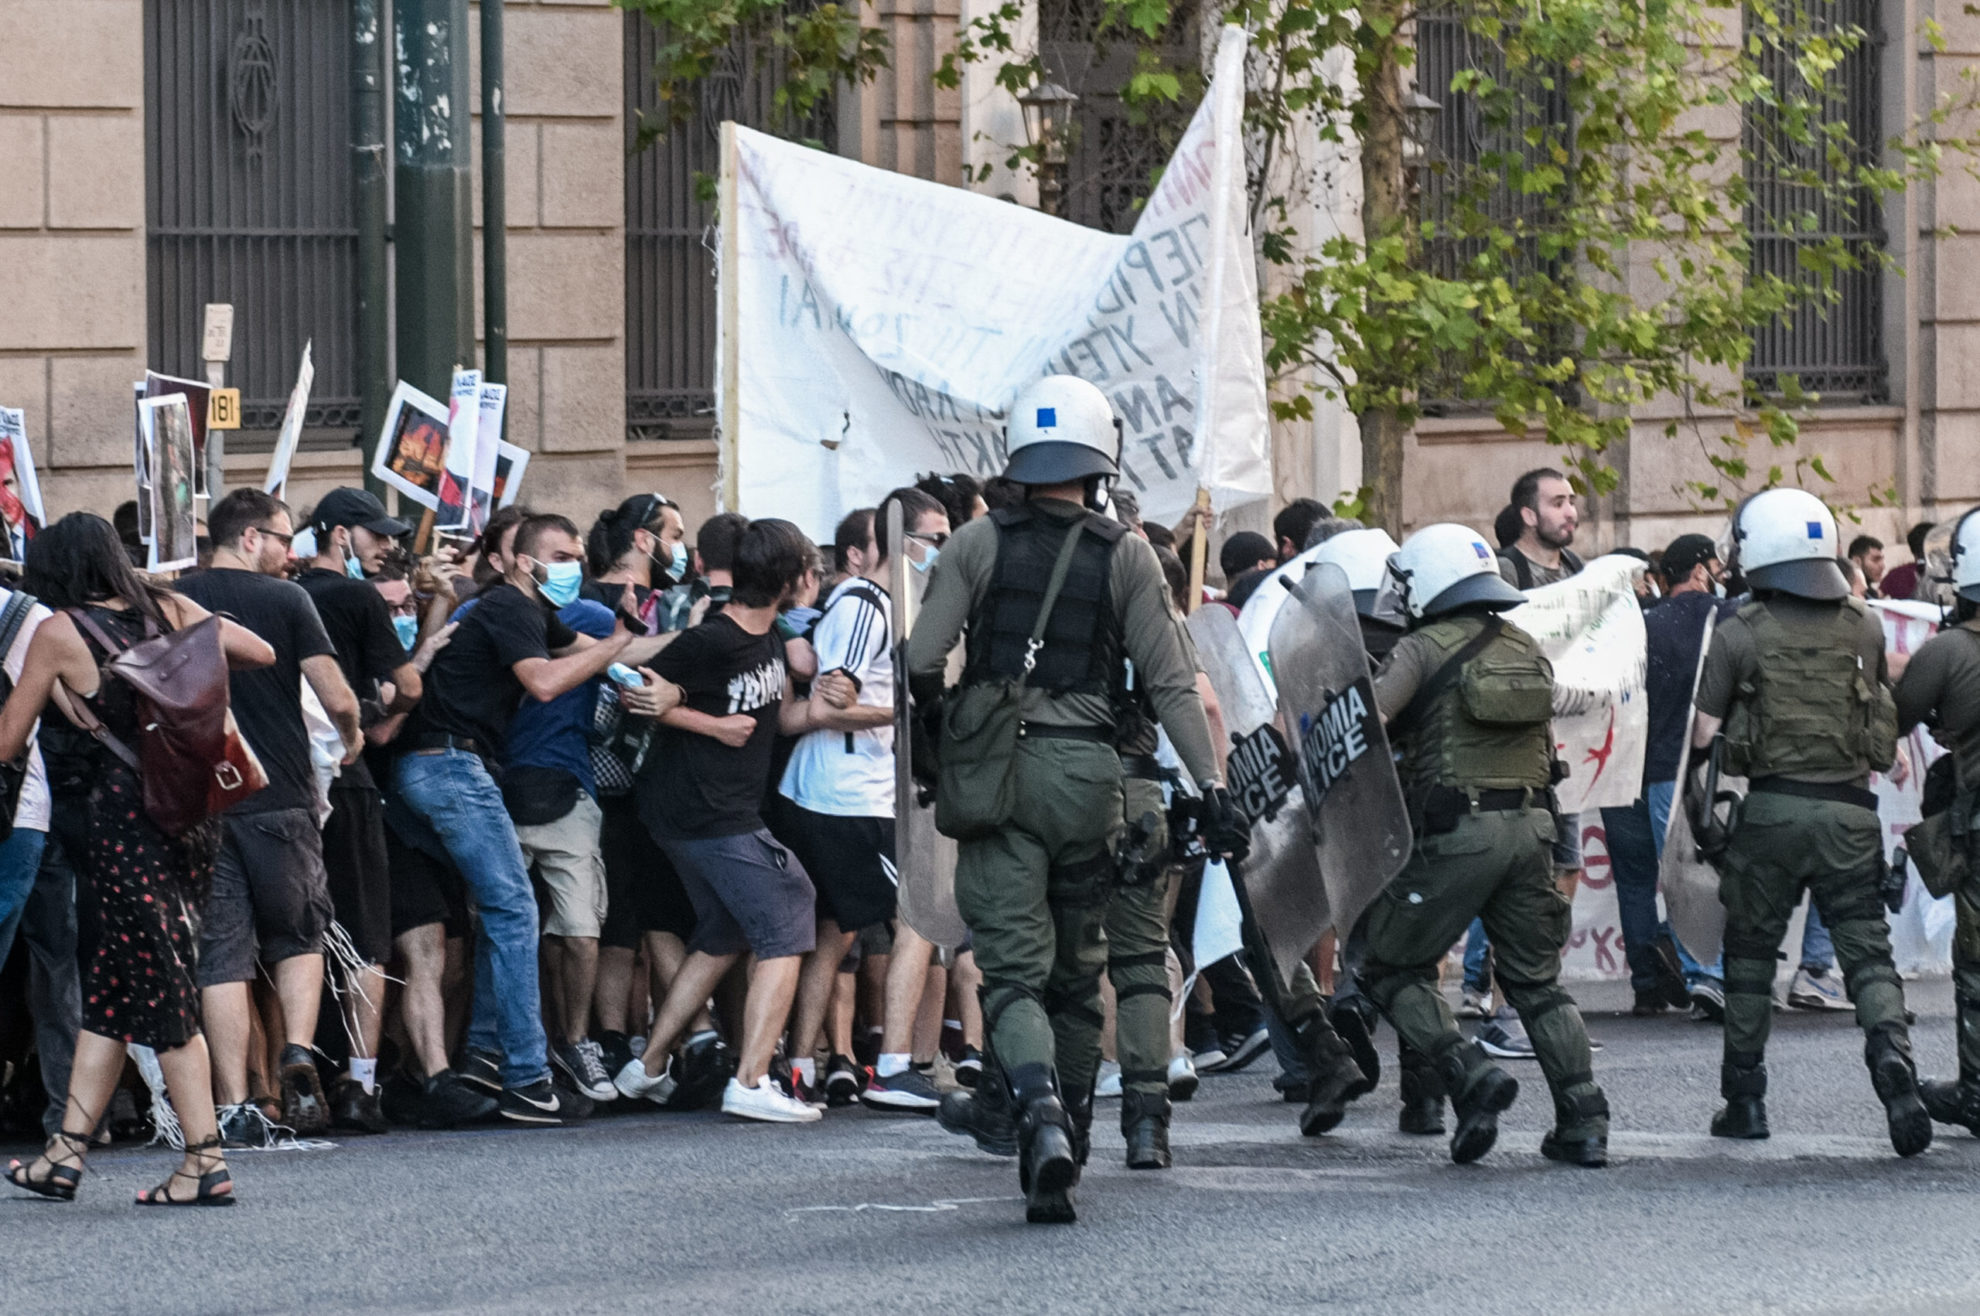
column 271, row 896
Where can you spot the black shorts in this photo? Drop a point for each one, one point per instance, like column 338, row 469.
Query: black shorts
column 424, row 889
column 270, row 899
column 643, row 893
column 851, row 862
column 360, row 870
column 750, row 893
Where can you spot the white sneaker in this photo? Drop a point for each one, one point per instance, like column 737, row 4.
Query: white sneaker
column 766, row 1102
column 1182, row 1077
column 1475, row 1005
column 1813, row 991
column 1110, row 1080
column 633, row 1082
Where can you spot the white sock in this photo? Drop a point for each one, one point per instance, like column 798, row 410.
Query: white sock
column 892, row 1063
column 806, row 1069
column 365, row 1072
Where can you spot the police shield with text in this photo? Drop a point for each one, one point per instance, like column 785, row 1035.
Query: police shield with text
column 1469, row 699
column 1053, row 600
column 1795, row 681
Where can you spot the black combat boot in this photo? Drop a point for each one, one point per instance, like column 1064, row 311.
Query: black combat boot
column 1479, row 1091
column 1079, row 1106
column 1743, row 1083
column 1145, row 1125
column 1422, row 1094
column 1335, row 1075
column 1048, row 1166
column 1888, row 1053
column 1354, row 1020
column 1951, row 1102
column 985, row 1113
column 1580, row 1135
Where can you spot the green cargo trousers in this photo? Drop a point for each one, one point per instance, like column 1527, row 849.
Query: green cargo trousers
column 1035, row 896
column 1966, row 979
column 1497, row 866
column 1138, row 954
column 1784, row 845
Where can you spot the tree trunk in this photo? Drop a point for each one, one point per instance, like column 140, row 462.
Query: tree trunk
column 1385, row 209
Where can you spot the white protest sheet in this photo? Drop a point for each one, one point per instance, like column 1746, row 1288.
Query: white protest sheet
column 877, row 325
column 412, row 447
column 487, row 453
column 457, row 474
column 292, row 423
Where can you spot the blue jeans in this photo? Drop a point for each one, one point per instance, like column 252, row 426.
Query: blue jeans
column 1818, row 953
column 1660, row 795
column 1633, row 866
column 448, row 805
column 20, row 860
column 1476, row 947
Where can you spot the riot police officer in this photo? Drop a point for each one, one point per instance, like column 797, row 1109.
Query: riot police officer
column 1468, row 698
column 1795, row 681
column 1941, row 688
column 1054, row 597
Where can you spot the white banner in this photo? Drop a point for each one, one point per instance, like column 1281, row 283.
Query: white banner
column 876, row 326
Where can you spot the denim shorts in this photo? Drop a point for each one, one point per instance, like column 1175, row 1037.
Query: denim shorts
column 749, row 893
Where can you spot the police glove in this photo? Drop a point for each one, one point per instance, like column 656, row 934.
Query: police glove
column 1226, row 831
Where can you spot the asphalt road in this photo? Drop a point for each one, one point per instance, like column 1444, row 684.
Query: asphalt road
column 694, row 1213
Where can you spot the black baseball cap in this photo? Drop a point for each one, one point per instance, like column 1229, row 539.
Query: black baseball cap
column 357, row 507
column 1685, row 553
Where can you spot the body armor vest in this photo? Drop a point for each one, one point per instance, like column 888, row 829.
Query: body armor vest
column 1492, row 727
column 1082, row 651
column 1810, row 708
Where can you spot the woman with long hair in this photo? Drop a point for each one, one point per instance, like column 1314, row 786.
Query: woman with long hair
column 136, row 888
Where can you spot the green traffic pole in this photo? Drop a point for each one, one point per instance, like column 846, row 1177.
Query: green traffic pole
column 374, row 366
column 435, row 215
column 494, row 210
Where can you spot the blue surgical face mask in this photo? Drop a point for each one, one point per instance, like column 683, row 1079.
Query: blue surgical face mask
column 408, row 629
column 681, row 561
column 352, row 567
column 927, row 562
column 560, row 582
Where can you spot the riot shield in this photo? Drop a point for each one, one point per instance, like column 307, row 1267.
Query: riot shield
column 1361, row 831
column 924, row 859
column 1282, row 889
column 1690, row 884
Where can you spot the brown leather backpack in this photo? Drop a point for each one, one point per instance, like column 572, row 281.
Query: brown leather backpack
column 190, row 756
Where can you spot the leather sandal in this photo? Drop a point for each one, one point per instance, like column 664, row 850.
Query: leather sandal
column 209, row 1193
column 61, row 1180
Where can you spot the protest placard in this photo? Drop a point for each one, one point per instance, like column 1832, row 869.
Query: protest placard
column 140, row 464
column 292, row 423
column 167, row 425
column 20, row 490
column 412, row 448
column 457, row 468
column 198, row 397
column 487, row 453
column 510, row 463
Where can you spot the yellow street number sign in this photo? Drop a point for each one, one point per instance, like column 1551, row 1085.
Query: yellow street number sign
column 223, row 409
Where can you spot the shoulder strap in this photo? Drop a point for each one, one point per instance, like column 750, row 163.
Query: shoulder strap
column 90, row 722
column 1572, row 561
column 1441, row 679
column 1522, row 569
column 12, row 618
column 1052, row 588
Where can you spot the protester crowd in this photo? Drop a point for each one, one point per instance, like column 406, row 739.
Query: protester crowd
column 572, row 817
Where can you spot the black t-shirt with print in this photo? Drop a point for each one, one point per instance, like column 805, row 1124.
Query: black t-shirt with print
column 267, row 701
column 694, row 786
column 471, row 688
column 359, row 624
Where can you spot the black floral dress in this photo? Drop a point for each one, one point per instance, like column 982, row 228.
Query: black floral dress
column 137, row 890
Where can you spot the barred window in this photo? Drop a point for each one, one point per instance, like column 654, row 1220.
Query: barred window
column 1831, row 345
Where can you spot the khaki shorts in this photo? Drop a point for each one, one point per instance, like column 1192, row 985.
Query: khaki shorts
column 567, row 857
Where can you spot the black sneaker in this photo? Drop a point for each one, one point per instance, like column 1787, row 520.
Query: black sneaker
column 582, row 1065
column 540, row 1103
column 843, row 1081
column 1240, row 1049
column 907, row 1092
column 969, row 1066
column 244, row 1126
column 304, row 1107
column 615, row 1049
column 706, row 1066
column 448, row 1100
column 355, row 1110
column 481, row 1070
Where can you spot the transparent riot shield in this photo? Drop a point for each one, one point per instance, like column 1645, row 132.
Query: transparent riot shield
column 924, row 859
column 1282, row 890
column 1691, row 884
column 1361, row 831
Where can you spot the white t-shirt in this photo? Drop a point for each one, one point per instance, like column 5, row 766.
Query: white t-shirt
column 850, row 774
column 33, row 812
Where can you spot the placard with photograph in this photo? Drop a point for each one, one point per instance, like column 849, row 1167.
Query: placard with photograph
column 198, row 397
column 487, row 452
column 20, row 491
column 140, row 464
column 412, row 448
column 170, row 456
column 510, row 463
column 457, row 478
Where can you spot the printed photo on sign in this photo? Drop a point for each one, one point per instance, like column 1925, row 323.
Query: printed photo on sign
column 457, row 467
column 169, row 453
column 510, row 463
column 292, row 423
column 412, row 449
column 198, row 398
column 140, row 463
column 20, row 491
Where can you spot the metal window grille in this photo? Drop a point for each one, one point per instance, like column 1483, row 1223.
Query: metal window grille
column 248, row 197
column 1833, row 347
column 1459, row 172
column 670, row 267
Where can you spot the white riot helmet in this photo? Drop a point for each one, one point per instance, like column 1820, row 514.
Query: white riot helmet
column 1966, row 557
column 1061, row 428
column 1444, row 567
column 1363, row 556
column 1785, row 540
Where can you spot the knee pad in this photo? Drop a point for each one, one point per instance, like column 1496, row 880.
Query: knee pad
column 1866, row 975
column 1535, row 1001
column 1748, row 946
column 1084, row 884
column 999, row 996
column 1749, row 975
column 1081, row 1003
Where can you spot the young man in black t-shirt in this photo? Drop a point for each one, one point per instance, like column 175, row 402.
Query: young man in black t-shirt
column 353, row 534
column 446, row 801
column 705, row 809
column 270, row 897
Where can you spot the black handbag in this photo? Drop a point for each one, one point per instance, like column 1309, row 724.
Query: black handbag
column 13, row 775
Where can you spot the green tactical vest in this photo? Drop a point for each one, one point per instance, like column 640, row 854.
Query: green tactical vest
column 1810, row 708
column 1492, row 727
